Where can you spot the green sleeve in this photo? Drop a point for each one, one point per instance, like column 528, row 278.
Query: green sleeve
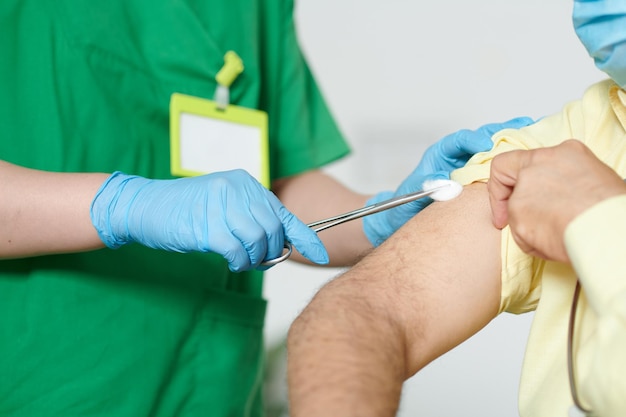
column 303, row 133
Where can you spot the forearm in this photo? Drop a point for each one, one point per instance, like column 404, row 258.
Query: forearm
column 45, row 212
column 314, row 196
column 596, row 245
column 601, row 379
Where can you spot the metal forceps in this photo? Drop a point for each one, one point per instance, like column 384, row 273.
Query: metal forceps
column 324, row 224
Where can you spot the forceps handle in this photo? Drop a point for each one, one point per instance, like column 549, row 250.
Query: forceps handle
column 324, row 224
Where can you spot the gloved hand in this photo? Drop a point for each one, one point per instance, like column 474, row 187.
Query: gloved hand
column 449, row 153
column 229, row 213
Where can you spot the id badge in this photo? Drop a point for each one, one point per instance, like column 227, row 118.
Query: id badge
column 207, row 138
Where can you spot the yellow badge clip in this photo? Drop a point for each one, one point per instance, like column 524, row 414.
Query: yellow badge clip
column 212, row 135
column 233, row 66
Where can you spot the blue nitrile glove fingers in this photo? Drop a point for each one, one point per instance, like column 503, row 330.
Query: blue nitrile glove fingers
column 449, row 153
column 455, row 149
column 229, row 213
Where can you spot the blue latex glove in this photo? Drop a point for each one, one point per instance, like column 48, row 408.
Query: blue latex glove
column 439, row 160
column 229, row 213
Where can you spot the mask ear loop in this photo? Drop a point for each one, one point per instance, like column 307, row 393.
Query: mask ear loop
column 570, row 352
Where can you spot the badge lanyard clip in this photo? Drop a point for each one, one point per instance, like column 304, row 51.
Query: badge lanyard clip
column 233, row 66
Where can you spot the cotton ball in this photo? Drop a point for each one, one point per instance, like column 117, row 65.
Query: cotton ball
column 449, row 189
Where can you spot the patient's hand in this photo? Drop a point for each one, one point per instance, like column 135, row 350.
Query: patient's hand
column 539, row 192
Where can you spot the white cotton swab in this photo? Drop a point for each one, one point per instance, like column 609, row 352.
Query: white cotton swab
column 452, row 190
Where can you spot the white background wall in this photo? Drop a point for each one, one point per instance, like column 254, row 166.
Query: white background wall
column 399, row 75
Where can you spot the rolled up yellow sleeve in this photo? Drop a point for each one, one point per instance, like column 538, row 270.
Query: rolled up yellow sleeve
column 521, row 273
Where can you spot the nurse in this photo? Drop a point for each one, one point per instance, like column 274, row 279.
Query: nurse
column 96, row 155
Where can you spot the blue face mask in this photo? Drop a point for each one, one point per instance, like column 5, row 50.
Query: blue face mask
column 601, row 27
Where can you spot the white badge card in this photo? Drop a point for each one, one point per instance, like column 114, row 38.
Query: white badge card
column 206, row 139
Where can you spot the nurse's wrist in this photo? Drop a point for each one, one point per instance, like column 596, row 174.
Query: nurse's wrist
column 110, row 207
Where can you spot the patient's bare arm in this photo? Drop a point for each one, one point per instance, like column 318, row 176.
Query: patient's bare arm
column 431, row 286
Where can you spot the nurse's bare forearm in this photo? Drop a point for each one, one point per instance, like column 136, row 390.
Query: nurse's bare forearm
column 46, row 212
column 314, row 196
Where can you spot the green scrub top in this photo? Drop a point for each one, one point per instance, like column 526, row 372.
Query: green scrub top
column 86, row 87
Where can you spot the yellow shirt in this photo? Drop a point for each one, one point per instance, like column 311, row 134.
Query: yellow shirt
column 596, row 243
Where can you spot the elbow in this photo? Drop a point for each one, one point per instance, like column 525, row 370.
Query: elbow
column 343, row 359
column 345, row 325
